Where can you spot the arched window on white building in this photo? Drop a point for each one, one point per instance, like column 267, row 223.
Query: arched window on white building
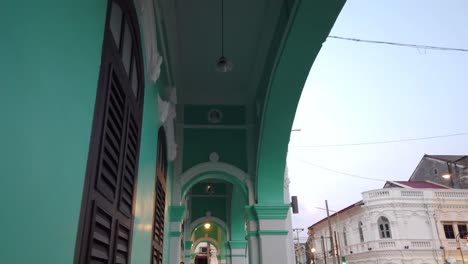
column 384, row 227
column 361, row 233
column 345, row 238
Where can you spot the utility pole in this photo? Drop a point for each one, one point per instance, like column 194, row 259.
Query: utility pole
column 331, row 234
column 324, row 250
column 457, row 238
column 298, row 230
column 338, row 246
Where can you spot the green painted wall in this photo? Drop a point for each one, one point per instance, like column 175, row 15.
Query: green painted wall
column 142, row 231
column 217, row 206
column 230, row 144
column 50, row 55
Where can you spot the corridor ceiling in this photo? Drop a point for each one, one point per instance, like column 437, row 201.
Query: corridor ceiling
column 193, row 32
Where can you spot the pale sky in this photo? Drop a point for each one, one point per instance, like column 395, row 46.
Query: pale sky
column 358, row 92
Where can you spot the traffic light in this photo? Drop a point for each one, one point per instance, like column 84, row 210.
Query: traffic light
column 343, row 260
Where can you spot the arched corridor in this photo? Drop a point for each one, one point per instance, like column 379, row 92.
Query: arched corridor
column 138, row 131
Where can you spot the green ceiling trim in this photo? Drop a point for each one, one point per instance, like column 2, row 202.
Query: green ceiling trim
column 267, row 233
column 271, row 211
column 176, row 213
column 175, row 234
column 309, row 24
column 236, row 244
column 252, row 233
column 273, row 232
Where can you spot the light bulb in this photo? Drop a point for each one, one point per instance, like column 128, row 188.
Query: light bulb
column 224, row 65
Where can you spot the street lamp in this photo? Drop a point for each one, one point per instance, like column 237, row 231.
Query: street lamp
column 446, row 176
column 457, row 238
column 313, row 254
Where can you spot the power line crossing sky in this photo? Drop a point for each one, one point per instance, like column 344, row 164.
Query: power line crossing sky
column 364, row 93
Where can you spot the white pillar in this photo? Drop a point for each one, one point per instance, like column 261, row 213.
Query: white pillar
column 237, row 251
column 174, row 242
column 273, row 233
column 187, row 251
column 252, row 235
column 175, row 234
column 291, row 251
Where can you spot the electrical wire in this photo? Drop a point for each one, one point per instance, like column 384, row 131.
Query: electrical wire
column 340, row 172
column 382, row 142
column 427, row 47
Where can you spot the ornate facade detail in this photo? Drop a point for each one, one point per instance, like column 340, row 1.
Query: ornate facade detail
column 145, row 10
column 167, row 115
column 415, row 227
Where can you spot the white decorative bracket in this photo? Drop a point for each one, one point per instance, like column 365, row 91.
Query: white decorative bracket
column 167, row 115
column 145, row 10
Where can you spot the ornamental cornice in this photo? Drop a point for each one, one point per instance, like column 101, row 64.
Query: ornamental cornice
column 422, row 206
column 271, row 211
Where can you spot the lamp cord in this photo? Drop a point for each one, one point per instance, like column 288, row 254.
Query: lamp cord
column 222, row 28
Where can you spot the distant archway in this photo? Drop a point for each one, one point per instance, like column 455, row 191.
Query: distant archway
column 211, row 219
column 214, row 170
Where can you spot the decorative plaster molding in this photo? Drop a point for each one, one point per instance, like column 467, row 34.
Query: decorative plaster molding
column 145, row 11
column 214, row 157
column 287, row 181
column 167, row 114
column 236, row 244
column 271, row 211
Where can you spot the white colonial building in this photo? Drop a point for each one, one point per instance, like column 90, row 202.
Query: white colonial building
column 405, row 222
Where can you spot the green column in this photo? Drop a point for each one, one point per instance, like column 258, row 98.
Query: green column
column 143, row 221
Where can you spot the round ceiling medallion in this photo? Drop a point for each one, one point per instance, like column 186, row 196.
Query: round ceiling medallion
column 215, row 116
column 214, row 157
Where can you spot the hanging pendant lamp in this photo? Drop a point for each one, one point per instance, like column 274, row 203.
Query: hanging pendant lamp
column 223, row 64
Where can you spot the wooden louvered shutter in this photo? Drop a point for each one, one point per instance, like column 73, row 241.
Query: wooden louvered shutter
column 159, row 200
column 106, row 219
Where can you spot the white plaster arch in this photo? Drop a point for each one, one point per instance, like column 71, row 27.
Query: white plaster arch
column 212, row 219
column 212, row 167
column 204, row 239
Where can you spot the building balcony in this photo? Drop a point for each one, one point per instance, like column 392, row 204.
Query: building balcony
column 391, row 244
column 384, row 195
column 452, row 244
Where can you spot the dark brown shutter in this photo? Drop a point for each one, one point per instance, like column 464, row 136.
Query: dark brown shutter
column 159, row 200
column 106, row 219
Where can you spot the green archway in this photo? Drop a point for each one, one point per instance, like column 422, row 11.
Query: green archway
column 296, row 53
